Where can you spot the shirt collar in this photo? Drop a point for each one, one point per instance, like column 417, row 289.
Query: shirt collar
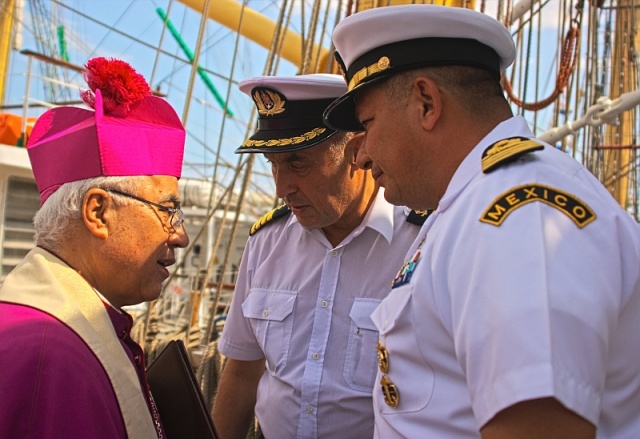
column 379, row 217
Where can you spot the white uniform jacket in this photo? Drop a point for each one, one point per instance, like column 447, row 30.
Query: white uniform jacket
column 525, row 284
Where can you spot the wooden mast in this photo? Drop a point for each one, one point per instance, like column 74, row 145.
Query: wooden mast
column 620, row 142
column 6, row 25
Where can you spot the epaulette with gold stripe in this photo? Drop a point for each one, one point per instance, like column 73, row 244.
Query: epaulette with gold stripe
column 418, row 217
column 279, row 212
column 507, row 150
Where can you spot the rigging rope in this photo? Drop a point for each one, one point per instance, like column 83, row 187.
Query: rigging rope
column 567, row 64
column 308, row 45
column 269, row 69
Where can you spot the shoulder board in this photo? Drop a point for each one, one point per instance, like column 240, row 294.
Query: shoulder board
column 279, row 212
column 507, row 150
column 418, row 217
column 576, row 209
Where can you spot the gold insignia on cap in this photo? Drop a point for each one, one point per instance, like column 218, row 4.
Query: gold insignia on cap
column 507, row 150
column 269, row 102
column 572, row 206
column 284, row 142
column 382, row 64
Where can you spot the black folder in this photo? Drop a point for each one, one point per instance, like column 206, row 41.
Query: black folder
column 182, row 408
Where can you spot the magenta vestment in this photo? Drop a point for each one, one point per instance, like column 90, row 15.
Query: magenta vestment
column 52, row 385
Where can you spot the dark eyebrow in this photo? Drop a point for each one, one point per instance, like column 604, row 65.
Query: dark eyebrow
column 172, row 198
column 295, row 158
column 291, row 157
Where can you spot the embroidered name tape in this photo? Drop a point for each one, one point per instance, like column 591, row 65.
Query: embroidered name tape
column 572, row 206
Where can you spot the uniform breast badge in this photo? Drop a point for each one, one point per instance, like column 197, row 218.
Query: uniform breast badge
column 389, row 390
column 405, row 273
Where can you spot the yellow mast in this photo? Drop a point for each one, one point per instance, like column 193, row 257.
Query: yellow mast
column 257, row 28
column 260, row 29
column 619, row 139
column 6, row 24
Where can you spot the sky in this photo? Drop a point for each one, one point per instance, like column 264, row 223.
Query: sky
column 223, row 55
column 167, row 71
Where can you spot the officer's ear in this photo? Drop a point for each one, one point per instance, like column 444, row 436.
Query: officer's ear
column 354, row 144
column 428, row 101
column 358, row 156
column 355, row 152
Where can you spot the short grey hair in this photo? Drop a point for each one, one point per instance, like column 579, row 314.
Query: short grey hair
column 338, row 145
column 61, row 211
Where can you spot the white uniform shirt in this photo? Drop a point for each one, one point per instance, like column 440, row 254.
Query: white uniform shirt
column 535, row 307
column 306, row 307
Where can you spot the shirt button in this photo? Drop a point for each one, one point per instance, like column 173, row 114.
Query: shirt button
column 309, row 409
column 334, row 253
column 265, row 313
column 324, row 303
column 315, row 355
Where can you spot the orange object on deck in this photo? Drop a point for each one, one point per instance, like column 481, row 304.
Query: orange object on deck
column 11, row 126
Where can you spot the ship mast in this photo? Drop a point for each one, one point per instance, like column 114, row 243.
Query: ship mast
column 7, row 12
column 621, row 143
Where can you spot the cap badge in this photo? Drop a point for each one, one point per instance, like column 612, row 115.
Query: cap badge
column 269, row 102
column 358, row 77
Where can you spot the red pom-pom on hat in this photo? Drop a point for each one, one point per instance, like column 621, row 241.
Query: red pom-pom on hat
column 120, row 85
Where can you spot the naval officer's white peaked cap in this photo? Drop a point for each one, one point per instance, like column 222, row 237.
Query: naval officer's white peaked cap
column 290, row 110
column 376, row 43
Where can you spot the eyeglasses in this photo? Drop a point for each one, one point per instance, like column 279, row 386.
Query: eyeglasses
column 176, row 217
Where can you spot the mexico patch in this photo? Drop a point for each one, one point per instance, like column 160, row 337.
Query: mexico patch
column 573, row 207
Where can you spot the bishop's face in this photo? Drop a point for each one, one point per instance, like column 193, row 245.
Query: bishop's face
column 141, row 243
